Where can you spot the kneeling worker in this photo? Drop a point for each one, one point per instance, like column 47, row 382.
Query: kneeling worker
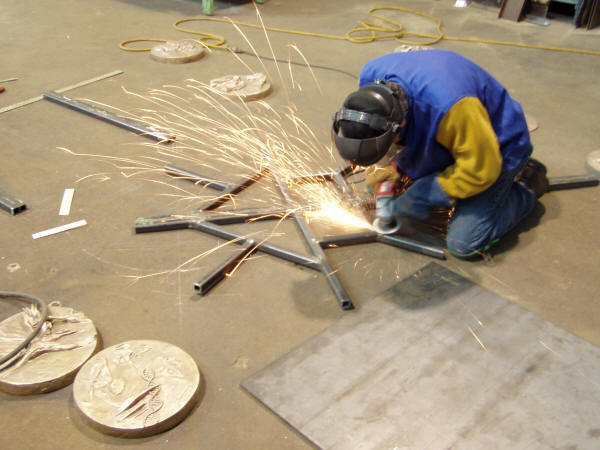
column 463, row 140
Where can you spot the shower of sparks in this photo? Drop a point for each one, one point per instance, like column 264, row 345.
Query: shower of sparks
column 477, row 339
column 221, row 137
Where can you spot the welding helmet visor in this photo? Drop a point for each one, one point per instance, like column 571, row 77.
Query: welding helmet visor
column 362, row 152
column 365, row 128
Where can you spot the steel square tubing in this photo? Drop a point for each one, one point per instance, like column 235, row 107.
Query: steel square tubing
column 196, row 178
column 230, row 263
column 136, row 126
column 317, row 251
column 235, row 189
column 11, row 204
column 152, row 224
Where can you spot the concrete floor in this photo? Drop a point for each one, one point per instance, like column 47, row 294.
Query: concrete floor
column 549, row 265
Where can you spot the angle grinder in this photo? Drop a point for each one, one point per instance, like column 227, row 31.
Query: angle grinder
column 385, row 222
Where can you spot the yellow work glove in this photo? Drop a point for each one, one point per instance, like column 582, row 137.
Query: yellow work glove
column 375, row 175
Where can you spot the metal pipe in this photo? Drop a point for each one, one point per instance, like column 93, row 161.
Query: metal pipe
column 230, row 263
column 161, row 223
column 348, row 239
column 196, row 178
column 269, row 249
column 348, row 194
column 234, row 190
column 129, row 124
column 246, row 215
column 10, row 204
column 317, row 251
column 572, row 182
column 412, row 245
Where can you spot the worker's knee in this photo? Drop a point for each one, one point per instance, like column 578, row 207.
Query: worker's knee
column 469, row 243
column 469, row 252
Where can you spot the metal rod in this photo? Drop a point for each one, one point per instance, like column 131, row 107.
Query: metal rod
column 348, row 239
column 169, row 223
column 234, row 190
column 572, row 182
column 196, row 178
column 129, row 124
column 349, row 195
column 11, row 204
column 269, row 249
column 162, row 223
column 322, row 176
column 64, row 89
column 317, row 251
column 246, row 215
column 412, row 245
column 230, row 263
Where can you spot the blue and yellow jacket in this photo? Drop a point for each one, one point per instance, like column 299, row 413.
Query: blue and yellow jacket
column 461, row 122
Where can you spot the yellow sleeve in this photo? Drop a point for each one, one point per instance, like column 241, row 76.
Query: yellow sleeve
column 466, row 131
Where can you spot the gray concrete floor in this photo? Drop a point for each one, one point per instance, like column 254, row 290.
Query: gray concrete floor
column 549, row 265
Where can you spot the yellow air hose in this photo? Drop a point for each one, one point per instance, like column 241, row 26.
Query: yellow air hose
column 389, row 29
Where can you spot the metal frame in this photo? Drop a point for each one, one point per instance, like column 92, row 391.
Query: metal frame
column 208, row 220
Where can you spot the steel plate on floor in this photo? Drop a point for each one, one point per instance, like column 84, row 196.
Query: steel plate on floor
column 438, row 362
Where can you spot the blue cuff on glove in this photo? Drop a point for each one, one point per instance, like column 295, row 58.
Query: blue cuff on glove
column 424, row 194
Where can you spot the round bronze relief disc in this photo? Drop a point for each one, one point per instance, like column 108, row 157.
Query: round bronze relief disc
column 177, row 52
column 64, row 343
column 137, row 388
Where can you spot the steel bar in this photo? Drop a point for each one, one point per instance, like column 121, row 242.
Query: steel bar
column 349, row 195
column 170, row 223
column 129, row 124
column 161, row 223
column 412, row 245
column 247, row 215
column 234, row 190
column 348, row 239
column 64, row 89
column 317, row 251
column 572, row 182
column 229, row 264
column 269, row 249
column 196, row 178
column 10, row 204
column 322, row 176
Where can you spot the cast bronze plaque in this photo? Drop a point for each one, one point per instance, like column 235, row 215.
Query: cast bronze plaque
column 137, row 388
column 65, row 342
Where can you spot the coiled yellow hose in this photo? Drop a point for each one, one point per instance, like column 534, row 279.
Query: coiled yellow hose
column 389, row 29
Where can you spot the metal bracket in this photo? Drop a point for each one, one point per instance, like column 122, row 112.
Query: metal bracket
column 209, row 221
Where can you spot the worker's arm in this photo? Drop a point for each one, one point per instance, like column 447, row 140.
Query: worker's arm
column 466, row 131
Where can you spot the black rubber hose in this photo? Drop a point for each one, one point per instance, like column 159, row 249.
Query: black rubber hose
column 43, row 312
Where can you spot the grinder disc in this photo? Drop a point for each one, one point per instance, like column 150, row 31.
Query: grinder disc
column 50, row 361
column 137, row 388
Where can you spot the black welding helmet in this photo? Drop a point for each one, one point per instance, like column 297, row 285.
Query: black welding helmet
column 364, row 129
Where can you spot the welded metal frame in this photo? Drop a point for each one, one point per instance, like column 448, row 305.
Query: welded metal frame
column 208, row 220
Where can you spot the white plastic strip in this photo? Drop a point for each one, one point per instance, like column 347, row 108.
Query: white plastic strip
column 65, row 206
column 67, row 227
column 67, row 88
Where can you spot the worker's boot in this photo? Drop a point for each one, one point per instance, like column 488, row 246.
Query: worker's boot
column 533, row 176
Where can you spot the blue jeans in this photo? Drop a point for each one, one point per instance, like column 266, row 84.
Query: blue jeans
column 481, row 220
